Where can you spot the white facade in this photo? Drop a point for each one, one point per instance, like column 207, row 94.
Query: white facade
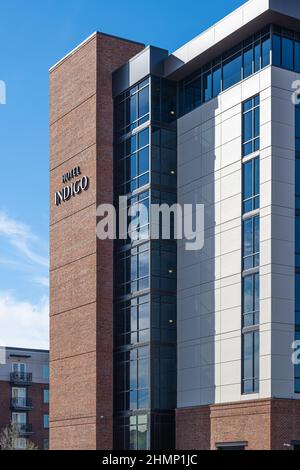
column 209, row 281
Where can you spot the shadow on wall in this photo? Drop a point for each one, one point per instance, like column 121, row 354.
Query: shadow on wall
column 198, row 304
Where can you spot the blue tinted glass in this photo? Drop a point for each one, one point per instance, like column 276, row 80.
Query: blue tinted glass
column 247, row 126
column 143, row 138
column 247, row 149
column 297, row 292
column 266, row 48
column 207, row 86
column 143, row 102
column 256, row 234
column 248, row 237
column 297, row 56
column 256, row 360
column 143, row 161
column 217, row 75
column 248, row 180
column 248, row 62
column 298, row 177
column 297, row 123
column 232, row 71
column 248, row 356
column 276, row 50
column 256, row 176
column 256, row 122
column 192, row 95
column 298, row 235
column 287, row 53
column 257, row 55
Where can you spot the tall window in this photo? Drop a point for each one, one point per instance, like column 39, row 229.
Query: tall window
column 132, row 108
column 286, row 49
column 250, row 126
column 46, row 421
column 235, row 65
column 251, row 185
column 251, row 243
column 251, row 362
column 250, row 247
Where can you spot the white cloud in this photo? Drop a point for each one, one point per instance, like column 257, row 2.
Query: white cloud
column 24, row 324
column 21, row 237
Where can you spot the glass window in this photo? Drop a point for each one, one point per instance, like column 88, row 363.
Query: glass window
column 46, row 444
column 217, row 77
column 251, row 185
column 276, row 50
column 251, row 362
column 297, row 56
column 251, row 126
column 251, row 243
column 266, row 50
column 192, row 95
column 232, row 71
column 248, row 62
column 251, row 300
column 46, row 421
column 46, row 372
column 46, row 396
column 207, row 86
column 257, row 56
column 287, row 53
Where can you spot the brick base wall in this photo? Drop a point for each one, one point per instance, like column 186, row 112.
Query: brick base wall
column 263, row 424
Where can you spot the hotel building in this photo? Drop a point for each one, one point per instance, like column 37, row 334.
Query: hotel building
column 154, row 346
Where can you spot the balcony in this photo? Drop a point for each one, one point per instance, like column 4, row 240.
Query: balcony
column 24, row 428
column 21, row 378
column 21, row 403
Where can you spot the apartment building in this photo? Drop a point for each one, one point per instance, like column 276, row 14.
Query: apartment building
column 169, row 348
column 24, row 395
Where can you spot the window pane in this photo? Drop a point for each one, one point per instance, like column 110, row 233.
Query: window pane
column 257, row 55
column 217, row 75
column 248, row 180
column 143, row 161
column 144, row 102
column 276, row 50
column 297, row 56
column 266, row 47
column 287, row 53
column 247, row 126
column 248, row 62
column 232, row 71
column 207, row 86
column 143, row 138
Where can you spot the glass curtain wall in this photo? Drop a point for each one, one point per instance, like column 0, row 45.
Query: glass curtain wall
column 145, row 270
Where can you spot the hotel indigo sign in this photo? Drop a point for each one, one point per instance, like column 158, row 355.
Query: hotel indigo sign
column 73, row 188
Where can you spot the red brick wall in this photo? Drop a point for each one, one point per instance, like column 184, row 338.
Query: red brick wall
column 263, row 424
column 34, row 416
column 81, row 290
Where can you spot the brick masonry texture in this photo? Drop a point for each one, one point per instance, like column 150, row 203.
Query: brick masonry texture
column 263, row 424
column 81, row 267
column 35, row 417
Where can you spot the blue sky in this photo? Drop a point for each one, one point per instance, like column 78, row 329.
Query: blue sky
column 33, row 36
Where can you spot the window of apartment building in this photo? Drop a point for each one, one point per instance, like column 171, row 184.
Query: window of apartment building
column 46, row 372
column 250, row 126
column 46, row 421
column 251, row 243
column 45, row 396
column 46, row 444
column 133, row 432
column 251, row 185
column 20, row 443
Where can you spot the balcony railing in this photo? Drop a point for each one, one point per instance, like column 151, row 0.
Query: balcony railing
column 21, row 403
column 21, row 377
column 23, row 428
